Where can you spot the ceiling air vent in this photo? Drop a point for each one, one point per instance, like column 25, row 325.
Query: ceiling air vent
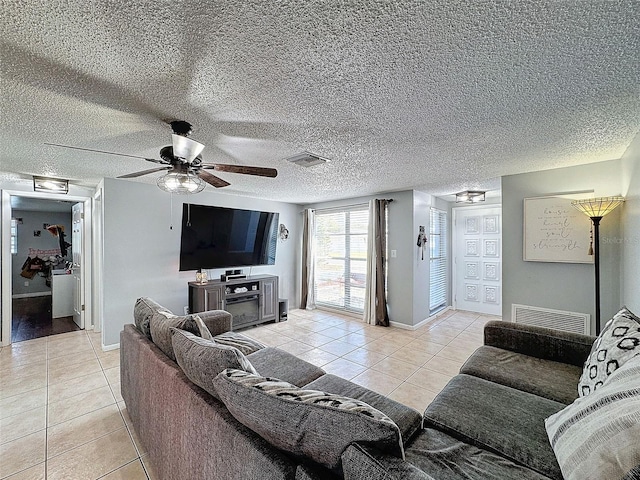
column 306, row 159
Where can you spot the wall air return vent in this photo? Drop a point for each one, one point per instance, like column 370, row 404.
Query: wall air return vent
column 545, row 317
column 307, row 159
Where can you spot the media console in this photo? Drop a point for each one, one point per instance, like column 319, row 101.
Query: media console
column 251, row 300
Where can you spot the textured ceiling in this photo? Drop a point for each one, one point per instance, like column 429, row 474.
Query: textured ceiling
column 439, row 96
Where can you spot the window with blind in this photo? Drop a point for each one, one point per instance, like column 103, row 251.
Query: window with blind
column 341, row 257
column 437, row 260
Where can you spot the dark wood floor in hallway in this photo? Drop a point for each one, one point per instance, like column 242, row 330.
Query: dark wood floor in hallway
column 31, row 318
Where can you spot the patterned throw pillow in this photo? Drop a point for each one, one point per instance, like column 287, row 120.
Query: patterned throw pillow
column 618, row 342
column 598, row 436
column 243, row 343
column 311, row 423
column 201, row 360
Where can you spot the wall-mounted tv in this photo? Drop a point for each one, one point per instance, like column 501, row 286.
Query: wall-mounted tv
column 217, row 237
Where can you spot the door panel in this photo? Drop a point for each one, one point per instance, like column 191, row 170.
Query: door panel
column 478, row 260
column 77, row 253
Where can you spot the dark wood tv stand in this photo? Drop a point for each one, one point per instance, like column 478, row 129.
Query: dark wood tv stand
column 258, row 304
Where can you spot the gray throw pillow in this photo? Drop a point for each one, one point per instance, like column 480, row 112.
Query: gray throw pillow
column 201, row 360
column 617, row 343
column 243, row 343
column 144, row 309
column 597, row 436
column 311, row 423
column 161, row 324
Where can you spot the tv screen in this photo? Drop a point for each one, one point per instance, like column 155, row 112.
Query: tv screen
column 217, row 237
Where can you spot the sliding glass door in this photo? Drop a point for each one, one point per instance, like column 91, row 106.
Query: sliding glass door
column 341, row 257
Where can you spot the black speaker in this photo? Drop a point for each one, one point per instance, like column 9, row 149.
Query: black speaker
column 283, row 307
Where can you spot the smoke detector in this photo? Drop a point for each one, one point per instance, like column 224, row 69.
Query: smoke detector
column 307, row 159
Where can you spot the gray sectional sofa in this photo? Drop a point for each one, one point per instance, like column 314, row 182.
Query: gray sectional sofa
column 487, row 423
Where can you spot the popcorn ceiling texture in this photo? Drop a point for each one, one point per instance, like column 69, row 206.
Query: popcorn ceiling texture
column 439, row 96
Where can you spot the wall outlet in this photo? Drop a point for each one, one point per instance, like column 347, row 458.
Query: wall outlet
column 394, row 253
column 186, row 310
column 26, row 283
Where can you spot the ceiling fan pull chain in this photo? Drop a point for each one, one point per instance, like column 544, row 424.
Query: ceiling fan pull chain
column 171, row 211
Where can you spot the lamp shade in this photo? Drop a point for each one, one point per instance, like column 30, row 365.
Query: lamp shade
column 186, row 148
column 181, row 183
column 597, row 207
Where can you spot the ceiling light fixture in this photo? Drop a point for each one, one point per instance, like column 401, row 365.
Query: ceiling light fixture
column 50, row 185
column 181, row 183
column 470, row 196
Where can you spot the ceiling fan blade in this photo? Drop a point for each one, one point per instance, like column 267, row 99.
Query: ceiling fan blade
column 243, row 169
column 108, row 153
column 144, row 172
column 212, row 179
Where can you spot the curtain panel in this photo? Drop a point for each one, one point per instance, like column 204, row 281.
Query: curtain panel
column 375, row 300
column 307, row 299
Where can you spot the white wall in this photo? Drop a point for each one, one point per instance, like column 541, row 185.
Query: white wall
column 141, row 252
column 562, row 286
column 630, row 239
column 31, row 222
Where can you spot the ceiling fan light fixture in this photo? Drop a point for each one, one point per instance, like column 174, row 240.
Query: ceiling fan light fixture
column 470, row 196
column 186, row 148
column 50, row 185
column 181, row 183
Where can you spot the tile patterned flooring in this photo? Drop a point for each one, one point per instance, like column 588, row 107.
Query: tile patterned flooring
column 62, row 415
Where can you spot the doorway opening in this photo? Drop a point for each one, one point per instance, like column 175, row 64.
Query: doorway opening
column 45, row 260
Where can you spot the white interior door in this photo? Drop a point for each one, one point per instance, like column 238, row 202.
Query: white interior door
column 77, row 253
column 477, row 259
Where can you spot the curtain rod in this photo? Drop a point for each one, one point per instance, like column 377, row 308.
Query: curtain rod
column 347, row 206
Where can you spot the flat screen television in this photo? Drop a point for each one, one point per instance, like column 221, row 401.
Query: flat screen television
column 217, row 237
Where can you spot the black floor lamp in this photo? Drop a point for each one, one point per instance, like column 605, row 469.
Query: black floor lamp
column 596, row 208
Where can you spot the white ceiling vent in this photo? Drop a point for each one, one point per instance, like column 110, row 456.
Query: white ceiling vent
column 306, row 159
column 545, row 317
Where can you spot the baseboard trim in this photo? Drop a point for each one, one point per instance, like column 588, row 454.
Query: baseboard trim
column 32, row 294
column 404, row 326
column 106, row 348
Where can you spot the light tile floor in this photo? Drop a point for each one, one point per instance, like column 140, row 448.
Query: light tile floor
column 62, row 415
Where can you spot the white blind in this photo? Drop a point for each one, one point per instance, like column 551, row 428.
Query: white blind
column 14, row 236
column 437, row 260
column 341, row 257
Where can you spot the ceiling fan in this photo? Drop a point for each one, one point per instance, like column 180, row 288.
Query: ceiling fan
column 182, row 160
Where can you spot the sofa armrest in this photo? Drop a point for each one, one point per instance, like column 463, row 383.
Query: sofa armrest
column 217, row 321
column 362, row 463
column 540, row 342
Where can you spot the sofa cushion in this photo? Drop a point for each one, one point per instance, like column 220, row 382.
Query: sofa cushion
column 360, row 462
column 305, row 422
column 545, row 378
column 143, row 310
column 497, row 418
column 201, row 360
column 243, row 343
column 598, row 436
column 407, row 419
column 618, row 342
column 447, row 458
column 161, row 324
column 276, row 363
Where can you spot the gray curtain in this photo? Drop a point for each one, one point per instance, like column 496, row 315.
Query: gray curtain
column 307, row 297
column 375, row 300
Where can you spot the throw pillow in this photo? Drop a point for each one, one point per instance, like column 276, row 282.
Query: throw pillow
column 201, row 360
column 243, row 343
column 161, row 324
column 315, row 424
column 618, row 342
column 144, row 309
column 597, row 435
